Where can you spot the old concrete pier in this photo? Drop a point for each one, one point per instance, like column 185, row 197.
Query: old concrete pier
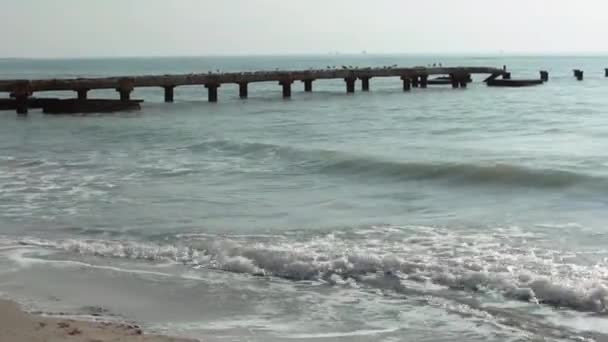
column 22, row 90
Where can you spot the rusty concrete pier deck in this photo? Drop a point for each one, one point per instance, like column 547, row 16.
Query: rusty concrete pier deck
column 22, row 90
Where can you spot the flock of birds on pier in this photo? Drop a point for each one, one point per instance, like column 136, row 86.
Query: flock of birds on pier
column 329, row 67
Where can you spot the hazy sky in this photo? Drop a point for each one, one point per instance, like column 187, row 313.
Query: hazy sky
column 76, row 28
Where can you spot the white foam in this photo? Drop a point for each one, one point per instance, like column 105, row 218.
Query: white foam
column 21, row 258
column 354, row 333
column 465, row 261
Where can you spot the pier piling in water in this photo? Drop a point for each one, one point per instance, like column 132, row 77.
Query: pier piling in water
column 544, row 75
column 22, row 104
column 125, row 87
column 21, row 91
column 169, row 93
column 460, row 79
column 407, row 83
column 307, row 85
column 212, row 91
column 82, row 93
column 286, row 84
column 125, row 94
column 579, row 74
column 606, row 72
column 424, row 79
column 415, row 81
column 350, row 84
column 365, row 83
column 455, row 81
column 243, row 90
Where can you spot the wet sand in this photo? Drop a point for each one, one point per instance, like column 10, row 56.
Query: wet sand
column 18, row 326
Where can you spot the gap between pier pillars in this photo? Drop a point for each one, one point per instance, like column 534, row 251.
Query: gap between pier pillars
column 350, row 84
column 212, row 91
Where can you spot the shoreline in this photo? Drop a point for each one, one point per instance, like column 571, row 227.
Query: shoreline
column 19, row 326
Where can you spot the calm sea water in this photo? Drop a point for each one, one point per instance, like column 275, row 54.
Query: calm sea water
column 434, row 215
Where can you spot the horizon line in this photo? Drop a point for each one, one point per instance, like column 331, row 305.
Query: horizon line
column 328, row 54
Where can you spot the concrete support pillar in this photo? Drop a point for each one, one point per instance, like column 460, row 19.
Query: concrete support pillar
column 365, row 83
column 286, row 84
column 350, row 84
column 125, row 94
column 307, row 85
column 212, row 91
column 506, row 76
column 125, row 87
column 22, row 103
column 415, row 81
column 579, row 74
column 464, row 80
column 21, row 92
column 243, row 90
column 82, row 94
column 407, row 83
column 455, row 81
column 544, row 76
column 424, row 81
column 169, row 92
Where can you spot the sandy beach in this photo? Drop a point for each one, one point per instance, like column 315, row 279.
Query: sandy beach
column 18, row 326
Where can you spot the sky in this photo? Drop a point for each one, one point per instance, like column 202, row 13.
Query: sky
column 116, row 28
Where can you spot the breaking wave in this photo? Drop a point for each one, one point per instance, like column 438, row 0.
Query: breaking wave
column 475, row 263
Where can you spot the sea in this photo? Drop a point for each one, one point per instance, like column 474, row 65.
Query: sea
column 439, row 214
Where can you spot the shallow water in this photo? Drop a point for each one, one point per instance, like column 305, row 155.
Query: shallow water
column 433, row 215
